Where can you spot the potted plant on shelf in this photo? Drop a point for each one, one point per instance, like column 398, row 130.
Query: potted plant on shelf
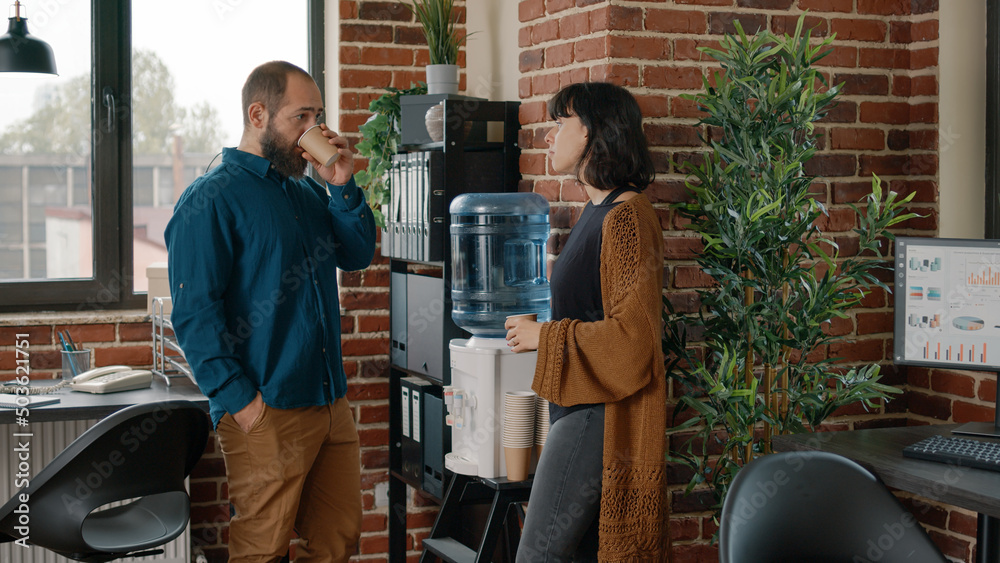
column 379, row 140
column 777, row 280
column 437, row 19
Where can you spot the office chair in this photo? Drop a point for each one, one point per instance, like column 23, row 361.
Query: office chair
column 818, row 507
column 139, row 456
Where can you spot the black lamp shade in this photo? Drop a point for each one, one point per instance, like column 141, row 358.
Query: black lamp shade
column 20, row 52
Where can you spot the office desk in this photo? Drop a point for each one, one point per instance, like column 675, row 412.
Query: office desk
column 54, row 426
column 74, row 405
column 880, row 451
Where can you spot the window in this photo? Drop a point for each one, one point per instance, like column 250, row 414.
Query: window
column 92, row 160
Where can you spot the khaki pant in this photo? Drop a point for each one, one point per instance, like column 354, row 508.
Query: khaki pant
column 296, row 469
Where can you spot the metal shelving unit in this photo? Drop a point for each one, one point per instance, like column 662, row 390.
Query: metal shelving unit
column 168, row 358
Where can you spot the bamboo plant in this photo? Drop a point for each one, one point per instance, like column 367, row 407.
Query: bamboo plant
column 778, row 280
column 437, row 19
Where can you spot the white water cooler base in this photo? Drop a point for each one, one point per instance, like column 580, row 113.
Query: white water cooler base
column 484, row 369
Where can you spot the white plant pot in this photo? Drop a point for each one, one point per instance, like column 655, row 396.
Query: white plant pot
column 442, row 79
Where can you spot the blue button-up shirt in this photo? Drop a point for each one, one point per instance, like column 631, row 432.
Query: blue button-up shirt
column 253, row 260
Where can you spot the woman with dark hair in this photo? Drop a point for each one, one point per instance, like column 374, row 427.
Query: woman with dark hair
column 599, row 488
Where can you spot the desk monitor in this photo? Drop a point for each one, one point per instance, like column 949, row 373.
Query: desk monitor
column 947, row 309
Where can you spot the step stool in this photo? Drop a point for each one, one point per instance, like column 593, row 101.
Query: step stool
column 467, row 490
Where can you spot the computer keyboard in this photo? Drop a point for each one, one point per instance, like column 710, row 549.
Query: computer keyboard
column 958, row 451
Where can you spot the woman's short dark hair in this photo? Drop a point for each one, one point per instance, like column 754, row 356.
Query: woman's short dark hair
column 616, row 154
column 266, row 84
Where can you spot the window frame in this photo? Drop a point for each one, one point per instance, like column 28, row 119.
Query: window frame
column 112, row 286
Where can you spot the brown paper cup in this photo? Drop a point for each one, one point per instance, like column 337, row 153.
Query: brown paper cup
column 518, row 462
column 529, row 316
column 315, row 143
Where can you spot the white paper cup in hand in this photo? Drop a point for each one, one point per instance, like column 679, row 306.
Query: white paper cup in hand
column 318, row 145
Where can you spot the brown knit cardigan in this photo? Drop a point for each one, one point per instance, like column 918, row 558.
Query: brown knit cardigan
column 619, row 361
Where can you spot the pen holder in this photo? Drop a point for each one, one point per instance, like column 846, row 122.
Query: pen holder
column 74, row 363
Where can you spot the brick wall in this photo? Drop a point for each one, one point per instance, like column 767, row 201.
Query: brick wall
column 380, row 45
column 886, row 55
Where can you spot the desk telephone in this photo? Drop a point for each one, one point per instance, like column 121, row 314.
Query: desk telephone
column 109, row 379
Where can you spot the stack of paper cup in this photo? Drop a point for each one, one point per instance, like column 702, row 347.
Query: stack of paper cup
column 518, row 433
column 541, row 423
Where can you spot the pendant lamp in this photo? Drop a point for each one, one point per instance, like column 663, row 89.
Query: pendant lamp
column 20, row 52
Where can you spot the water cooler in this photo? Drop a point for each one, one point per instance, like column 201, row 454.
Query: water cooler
column 498, row 269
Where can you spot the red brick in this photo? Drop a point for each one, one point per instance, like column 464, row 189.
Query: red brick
column 653, row 105
column 533, row 112
column 841, row 56
column 626, row 75
column 90, row 333
column 893, row 113
column 883, row 58
column 367, row 391
column 988, row 389
column 765, row 4
column 666, row 135
column 531, row 60
column 410, row 36
column 365, row 33
column 135, row 356
column 557, row 56
column 36, row 335
column 375, row 458
column 373, row 436
column 632, row 47
column 953, row 383
column 545, row 31
column 706, row 2
column 573, row 26
column 863, row 84
column 532, row 164
column 545, row 84
column 672, row 78
column 524, row 37
column 615, row 18
column 384, row 11
column 817, row 26
column 924, row 31
column 869, row 350
column 686, row 49
column 386, row 56
column 723, row 22
column 690, row 277
column 873, row 323
column 925, row 85
column 826, row 5
column 528, row 10
column 923, row 58
column 590, row 49
column 373, row 323
column 884, row 7
column 354, row 300
column 857, row 139
column 370, row 414
column 962, row 411
column 933, row 406
column 356, row 78
column 573, row 76
column 859, row 30
column 682, row 248
column 832, row 165
column 688, row 22
column 555, row 6
column 374, row 523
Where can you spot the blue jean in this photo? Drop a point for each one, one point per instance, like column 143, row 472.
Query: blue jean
column 562, row 515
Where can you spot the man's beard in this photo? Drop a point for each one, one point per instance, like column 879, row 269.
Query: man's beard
column 283, row 157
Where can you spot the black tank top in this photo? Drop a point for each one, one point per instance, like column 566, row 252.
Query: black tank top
column 576, row 275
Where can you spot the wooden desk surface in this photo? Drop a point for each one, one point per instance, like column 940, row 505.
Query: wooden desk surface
column 75, row 405
column 880, row 451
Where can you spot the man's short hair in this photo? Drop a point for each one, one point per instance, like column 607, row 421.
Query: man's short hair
column 266, row 84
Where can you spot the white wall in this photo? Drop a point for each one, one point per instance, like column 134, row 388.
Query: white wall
column 962, row 116
column 492, row 52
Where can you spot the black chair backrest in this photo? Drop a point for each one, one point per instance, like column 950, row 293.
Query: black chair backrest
column 817, row 506
column 141, row 450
